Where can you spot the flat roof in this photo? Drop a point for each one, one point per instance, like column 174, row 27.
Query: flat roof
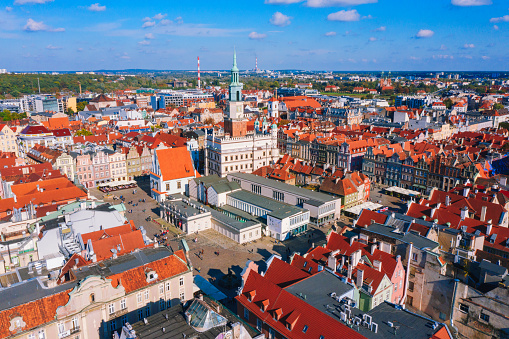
column 277, row 209
column 403, row 191
column 368, row 205
column 281, row 186
column 317, row 289
column 408, row 237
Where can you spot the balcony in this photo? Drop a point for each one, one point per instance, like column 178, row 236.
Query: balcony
column 67, row 333
column 117, row 314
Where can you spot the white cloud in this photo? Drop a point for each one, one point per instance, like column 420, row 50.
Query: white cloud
column 144, row 43
column 442, row 56
column 166, row 22
column 8, row 9
column 425, row 33
column 338, row 3
column 351, row 15
column 96, row 7
column 146, row 19
column 414, row 58
column 160, row 16
column 468, row 46
column 34, row 26
column 279, row 19
column 148, row 24
column 53, row 47
column 467, row 3
column 485, row 57
column 125, row 56
column 149, row 36
column 380, row 29
column 495, row 27
column 504, row 18
column 23, row 2
column 330, row 34
column 372, row 39
column 179, row 20
column 257, row 36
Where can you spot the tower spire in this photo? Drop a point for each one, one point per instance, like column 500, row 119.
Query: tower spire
column 234, row 57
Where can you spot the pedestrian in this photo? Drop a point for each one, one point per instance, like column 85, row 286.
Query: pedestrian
column 198, row 269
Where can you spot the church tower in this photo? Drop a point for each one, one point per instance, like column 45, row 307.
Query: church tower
column 236, row 105
column 235, row 125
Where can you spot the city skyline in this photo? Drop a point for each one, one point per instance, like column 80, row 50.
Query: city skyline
column 335, row 35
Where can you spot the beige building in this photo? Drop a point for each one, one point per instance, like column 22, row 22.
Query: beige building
column 8, row 140
column 117, row 162
column 94, row 301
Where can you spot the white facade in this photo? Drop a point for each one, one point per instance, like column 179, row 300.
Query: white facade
column 226, row 155
column 118, row 167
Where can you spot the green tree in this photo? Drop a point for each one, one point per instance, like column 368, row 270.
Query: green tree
column 498, row 106
column 81, row 106
column 448, row 103
column 70, row 111
column 82, row 132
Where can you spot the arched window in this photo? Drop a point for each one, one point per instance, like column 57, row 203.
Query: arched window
column 92, row 297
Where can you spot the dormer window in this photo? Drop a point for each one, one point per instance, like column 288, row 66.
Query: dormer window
column 151, row 275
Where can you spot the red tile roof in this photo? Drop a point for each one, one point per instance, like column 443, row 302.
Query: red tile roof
column 168, row 158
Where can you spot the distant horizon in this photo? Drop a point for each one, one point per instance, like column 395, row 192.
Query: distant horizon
column 349, row 35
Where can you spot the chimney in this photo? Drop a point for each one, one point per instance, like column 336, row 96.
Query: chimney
column 332, row 262
column 503, row 181
column 377, row 264
column 373, row 248
column 342, row 261
column 464, row 212
column 355, row 258
column 447, row 200
column 489, row 228
column 360, row 278
column 466, row 190
column 349, row 274
column 483, row 213
column 37, row 228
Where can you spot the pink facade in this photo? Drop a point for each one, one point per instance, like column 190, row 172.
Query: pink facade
column 84, row 170
column 398, row 281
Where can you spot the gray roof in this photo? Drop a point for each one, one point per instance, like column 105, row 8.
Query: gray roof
column 408, row 237
column 277, row 209
column 223, row 187
column 318, row 288
column 32, row 286
column 281, row 186
column 174, row 322
column 209, row 180
column 405, row 323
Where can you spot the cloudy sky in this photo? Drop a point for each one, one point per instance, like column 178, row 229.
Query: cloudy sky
column 449, row 35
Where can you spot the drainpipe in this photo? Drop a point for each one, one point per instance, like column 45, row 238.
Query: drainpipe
column 407, row 273
column 456, row 281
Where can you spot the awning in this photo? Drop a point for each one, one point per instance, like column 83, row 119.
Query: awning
column 207, row 288
column 403, row 191
column 367, row 205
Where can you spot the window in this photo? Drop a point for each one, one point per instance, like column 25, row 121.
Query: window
column 42, row 334
column 161, row 289
column 167, row 187
column 61, row 328
column 464, row 308
column 147, row 312
column 485, row 317
column 179, row 184
column 246, row 314
column 31, row 336
column 139, row 297
column 162, row 305
column 182, row 296
column 181, row 281
column 75, row 323
column 123, row 320
column 113, row 325
column 111, row 308
column 414, row 256
column 305, row 329
column 92, row 297
column 272, row 334
column 140, row 314
column 168, row 286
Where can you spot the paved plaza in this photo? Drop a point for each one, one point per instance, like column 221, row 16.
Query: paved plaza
column 222, row 255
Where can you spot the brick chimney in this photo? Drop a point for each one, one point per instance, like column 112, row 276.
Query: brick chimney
column 483, row 213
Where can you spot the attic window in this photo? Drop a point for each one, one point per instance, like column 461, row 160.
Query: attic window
column 151, row 275
column 305, row 329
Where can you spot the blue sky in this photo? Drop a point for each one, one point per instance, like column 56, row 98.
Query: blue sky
column 342, row 35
